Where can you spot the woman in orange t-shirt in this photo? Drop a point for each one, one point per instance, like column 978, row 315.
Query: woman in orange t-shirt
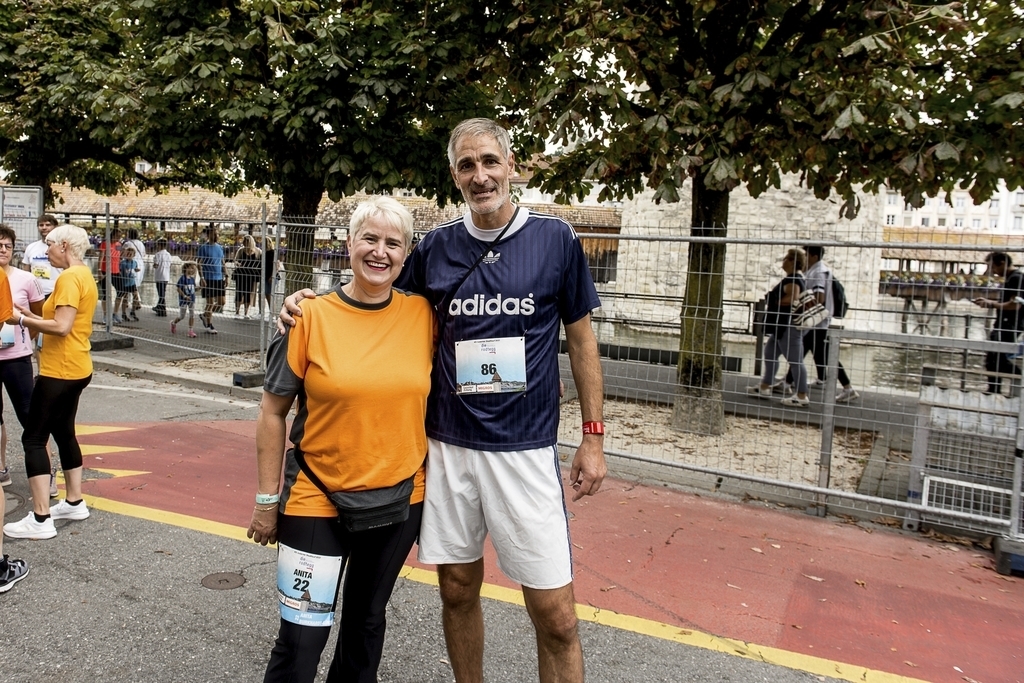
column 65, row 369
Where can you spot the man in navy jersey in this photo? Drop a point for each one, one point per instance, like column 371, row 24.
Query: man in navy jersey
column 502, row 280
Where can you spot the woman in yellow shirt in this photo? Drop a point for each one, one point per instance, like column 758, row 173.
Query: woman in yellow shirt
column 65, row 368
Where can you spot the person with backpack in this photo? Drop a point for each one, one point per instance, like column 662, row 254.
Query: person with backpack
column 822, row 283
column 1009, row 315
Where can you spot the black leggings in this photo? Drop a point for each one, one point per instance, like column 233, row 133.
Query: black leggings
column 16, row 376
column 52, row 412
column 373, row 560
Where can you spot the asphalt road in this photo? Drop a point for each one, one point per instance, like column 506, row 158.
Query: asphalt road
column 119, row 597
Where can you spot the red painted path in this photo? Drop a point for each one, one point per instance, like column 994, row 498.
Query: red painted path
column 884, row 600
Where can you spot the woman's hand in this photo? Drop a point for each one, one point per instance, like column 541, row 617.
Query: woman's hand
column 263, row 526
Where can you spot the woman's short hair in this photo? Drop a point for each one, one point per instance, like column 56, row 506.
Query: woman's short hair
column 471, row 128
column 386, row 208
column 799, row 258
column 7, row 232
column 75, row 237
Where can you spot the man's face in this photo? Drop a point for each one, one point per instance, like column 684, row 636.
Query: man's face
column 44, row 228
column 997, row 269
column 482, row 174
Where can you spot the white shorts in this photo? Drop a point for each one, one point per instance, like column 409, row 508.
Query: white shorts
column 517, row 496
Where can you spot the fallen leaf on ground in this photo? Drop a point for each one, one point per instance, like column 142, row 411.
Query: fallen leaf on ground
column 862, row 584
column 798, row 627
column 814, row 578
column 605, row 590
column 757, row 550
column 909, row 663
column 732, row 586
column 776, row 545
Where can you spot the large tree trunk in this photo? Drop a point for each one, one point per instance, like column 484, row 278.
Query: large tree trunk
column 298, row 213
column 698, row 405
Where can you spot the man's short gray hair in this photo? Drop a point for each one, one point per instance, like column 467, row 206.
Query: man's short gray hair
column 474, row 127
column 387, row 208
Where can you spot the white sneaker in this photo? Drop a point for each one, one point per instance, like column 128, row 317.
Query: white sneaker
column 846, row 395
column 796, row 402
column 30, row 528
column 756, row 390
column 63, row 510
column 784, row 388
column 818, row 383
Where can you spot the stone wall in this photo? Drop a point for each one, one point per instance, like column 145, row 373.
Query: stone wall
column 792, row 212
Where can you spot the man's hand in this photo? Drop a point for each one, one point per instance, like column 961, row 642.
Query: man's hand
column 588, row 467
column 291, row 308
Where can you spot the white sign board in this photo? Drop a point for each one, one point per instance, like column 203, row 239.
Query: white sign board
column 20, row 206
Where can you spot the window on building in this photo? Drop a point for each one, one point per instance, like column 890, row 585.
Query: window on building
column 993, row 223
column 975, row 222
column 1017, row 223
column 928, row 201
column 924, row 221
column 941, row 223
column 1020, row 198
column 993, row 204
column 141, row 167
column 958, row 222
column 892, row 199
column 959, row 202
column 908, row 207
column 890, row 219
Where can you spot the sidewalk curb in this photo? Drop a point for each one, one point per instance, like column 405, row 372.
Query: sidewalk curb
column 135, row 370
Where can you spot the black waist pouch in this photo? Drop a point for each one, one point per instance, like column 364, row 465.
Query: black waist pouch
column 365, row 510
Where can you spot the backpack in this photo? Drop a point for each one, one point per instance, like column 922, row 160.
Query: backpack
column 839, row 303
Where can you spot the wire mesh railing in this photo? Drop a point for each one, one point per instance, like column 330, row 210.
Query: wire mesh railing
column 687, row 346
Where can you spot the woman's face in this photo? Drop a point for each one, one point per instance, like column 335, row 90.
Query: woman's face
column 377, row 251
column 788, row 264
column 56, row 253
column 6, row 250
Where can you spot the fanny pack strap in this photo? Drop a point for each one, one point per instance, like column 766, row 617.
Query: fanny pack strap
column 301, row 459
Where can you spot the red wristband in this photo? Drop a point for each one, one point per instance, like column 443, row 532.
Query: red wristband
column 593, row 427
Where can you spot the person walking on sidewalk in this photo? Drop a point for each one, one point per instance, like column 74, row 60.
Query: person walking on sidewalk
column 109, row 281
column 16, row 344
column 186, row 286
column 34, row 259
column 357, row 431
column 212, row 273
column 818, row 278
column 131, row 239
column 503, row 280
column 65, row 369
column 161, row 276
column 1009, row 316
column 783, row 338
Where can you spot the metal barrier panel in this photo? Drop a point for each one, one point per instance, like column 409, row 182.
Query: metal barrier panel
column 896, row 422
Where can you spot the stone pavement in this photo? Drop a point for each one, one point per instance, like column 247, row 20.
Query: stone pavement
column 671, row 585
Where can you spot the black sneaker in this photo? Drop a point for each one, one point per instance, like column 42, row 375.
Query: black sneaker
column 16, row 571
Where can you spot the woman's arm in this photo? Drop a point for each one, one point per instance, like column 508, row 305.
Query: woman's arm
column 270, row 434
column 790, row 293
column 60, row 326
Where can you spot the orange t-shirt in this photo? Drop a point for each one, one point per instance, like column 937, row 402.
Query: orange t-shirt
column 6, row 301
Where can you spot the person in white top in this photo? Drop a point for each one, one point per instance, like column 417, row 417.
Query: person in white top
column 161, row 276
column 132, row 240
column 34, row 259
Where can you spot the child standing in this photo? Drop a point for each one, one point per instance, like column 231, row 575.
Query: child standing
column 161, row 276
column 128, row 288
column 186, row 297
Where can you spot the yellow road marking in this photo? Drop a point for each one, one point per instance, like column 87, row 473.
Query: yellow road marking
column 117, row 474
column 624, row 622
column 98, row 449
column 88, row 430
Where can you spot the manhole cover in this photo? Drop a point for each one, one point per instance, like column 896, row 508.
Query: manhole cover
column 223, row 581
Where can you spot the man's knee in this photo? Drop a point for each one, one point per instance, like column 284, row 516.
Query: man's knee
column 553, row 613
column 460, row 583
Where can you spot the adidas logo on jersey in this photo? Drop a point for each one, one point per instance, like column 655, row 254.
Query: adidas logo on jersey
column 491, row 257
column 479, row 304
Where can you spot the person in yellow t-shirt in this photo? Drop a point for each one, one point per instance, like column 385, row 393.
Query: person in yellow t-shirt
column 359, row 362
column 65, row 368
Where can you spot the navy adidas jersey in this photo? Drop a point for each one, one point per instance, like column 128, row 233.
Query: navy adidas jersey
column 525, row 286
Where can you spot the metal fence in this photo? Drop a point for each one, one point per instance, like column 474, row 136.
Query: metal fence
column 916, row 438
